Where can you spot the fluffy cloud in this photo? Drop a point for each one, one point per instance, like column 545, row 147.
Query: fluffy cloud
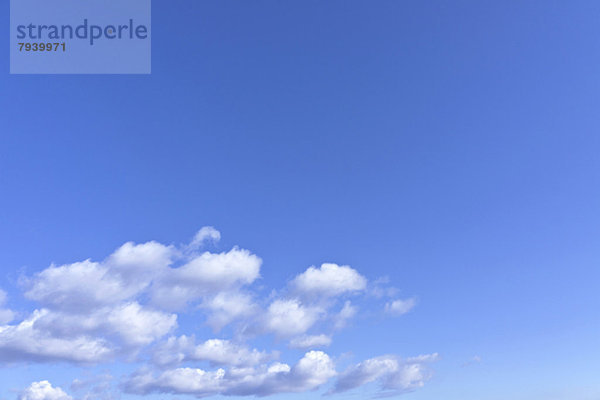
column 139, row 326
column 313, row 370
column 78, row 287
column 290, row 317
column 86, row 285
column 216, row 351
column 206, row 274
column 132, row 269
column 48, row 335
column 43, row 391
column 140, row 263
column 392, row 373
column 226, row 307
column 329, row 280
column 122, row 308
column 129, row 324
column 219, row 271
column 97, row 304
column 400, row 307
column 25, row 342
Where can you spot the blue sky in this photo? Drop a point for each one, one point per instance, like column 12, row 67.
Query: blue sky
column 447, row 152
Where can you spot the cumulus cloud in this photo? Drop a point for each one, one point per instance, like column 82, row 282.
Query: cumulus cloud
column 129, row 325
column 98, row 305
column 139, row 326
column 138, row 264
column 392, row 373
column 329, row 280
column 43, row 390
column 290, row 317
column 132, row 269
column 24, row 342
column 226, row 307
column 206, row 274
column 124, row 309
column 78, row 287
column 400, row 307
column 83, row 285
column 312, row 371
column 216, row 351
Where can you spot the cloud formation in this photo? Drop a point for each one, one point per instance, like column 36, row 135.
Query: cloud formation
column 216, row 351
column 329, row 280
column 25, row 342
column 290, row 317
column 312, row 371
column 392, row 373
column 43, row 391
column 127, row 309
column 204, row 275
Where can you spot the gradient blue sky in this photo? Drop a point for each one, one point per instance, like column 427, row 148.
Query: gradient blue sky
column 452, row 147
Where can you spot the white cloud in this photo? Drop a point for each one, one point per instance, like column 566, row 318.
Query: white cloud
column 24, row 342
column 120, row 309
column 316, row 368
column 49, row 335
column 366, row 372
column 219, row 271
column 329, row 280
column 43, row 390
column 290, row 317
column 128, row 324
column 224, row 352
column 312, row 371
column 138, row 264
column 216, row 351
column 78, row 287
column 400, row 307
column 97, row 302
column 310, row 341
column 139, row 326
column 206, row 274
column 392, row 373
column 83, row 285
column 205, row 234
column 226, row 307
